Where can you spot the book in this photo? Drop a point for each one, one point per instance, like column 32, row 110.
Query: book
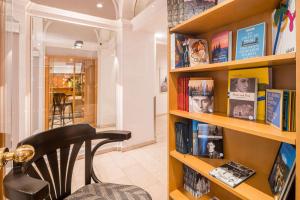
column 282, row 170
column 243, row 98
column 195, row 183
column 280, row 109
column 232, row 173
column 182, row 137
column 181, row 10
column 251, row 41
column 221, row 47
column 264, row 78
column 284, row 30
column 198, row 52
column 201, row 96
column 208, row 140
column 179, row 51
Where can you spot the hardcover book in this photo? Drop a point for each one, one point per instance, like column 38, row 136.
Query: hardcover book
column 195, row 183
column 264, row 78
column 221, row 47
column 274, row 108
column 283, row 170
column 243, row 98
column 232, row 173
column 180, row 51
column 198, row 52
column 201, row 96
column 284, row 31
column 209, row 140
column 250, row 42
column 182, row 137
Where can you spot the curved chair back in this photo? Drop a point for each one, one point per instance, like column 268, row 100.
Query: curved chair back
column 56, row 152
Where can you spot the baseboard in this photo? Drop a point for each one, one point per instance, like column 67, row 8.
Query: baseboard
column 161, row 114
column 136, row 146
column 124, row 149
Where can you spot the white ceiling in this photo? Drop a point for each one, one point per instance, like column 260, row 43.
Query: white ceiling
column 110, row 10
column 83, row 6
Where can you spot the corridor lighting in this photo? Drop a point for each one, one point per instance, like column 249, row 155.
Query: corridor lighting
column 78, row 44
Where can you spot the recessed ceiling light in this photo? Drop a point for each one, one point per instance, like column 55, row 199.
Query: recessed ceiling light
column 99, row 5
column 78, row 44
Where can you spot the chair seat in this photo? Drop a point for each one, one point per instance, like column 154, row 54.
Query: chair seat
column 109, row 191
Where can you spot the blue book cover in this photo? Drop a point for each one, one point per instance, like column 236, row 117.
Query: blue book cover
column 195, row 137
column 282, row 168
column 250, row 42
column 274, row 101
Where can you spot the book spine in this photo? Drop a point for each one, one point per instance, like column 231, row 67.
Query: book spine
column 187, row 94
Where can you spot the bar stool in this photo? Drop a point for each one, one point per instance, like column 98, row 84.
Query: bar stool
column 58, row 99
column 66, row 104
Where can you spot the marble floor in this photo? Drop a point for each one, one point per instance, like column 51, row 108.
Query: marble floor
column 145, row 167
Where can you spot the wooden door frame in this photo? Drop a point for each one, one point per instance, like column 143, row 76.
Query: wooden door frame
column 2, row 80
column 48, row 59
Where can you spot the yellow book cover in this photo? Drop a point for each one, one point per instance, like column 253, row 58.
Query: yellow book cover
column 264, row 77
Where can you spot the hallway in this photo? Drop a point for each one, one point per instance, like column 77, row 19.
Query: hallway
column 144, row 167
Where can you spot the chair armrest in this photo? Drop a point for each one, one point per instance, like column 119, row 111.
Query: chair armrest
column 113, row 135
column 20, row 186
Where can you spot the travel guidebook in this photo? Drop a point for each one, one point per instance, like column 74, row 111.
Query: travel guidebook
column 283, row 171
column 198, row 52
column 243, row 98
column 232, row 173
column 284, row 31
column 207, row 140
column 201, row 96
column 221, row 47
column 251, row 41
column 264, row 78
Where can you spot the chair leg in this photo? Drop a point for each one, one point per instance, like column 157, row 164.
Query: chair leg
column 72, row 113
column 53, row 114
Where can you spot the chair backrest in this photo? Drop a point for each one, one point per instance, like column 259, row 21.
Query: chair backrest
column 55, row 154
column 58, row 98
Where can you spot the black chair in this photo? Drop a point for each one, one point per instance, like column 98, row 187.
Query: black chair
column 49, row 174
column 60, row 103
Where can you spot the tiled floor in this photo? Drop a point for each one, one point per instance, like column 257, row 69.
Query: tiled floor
column 144, row 167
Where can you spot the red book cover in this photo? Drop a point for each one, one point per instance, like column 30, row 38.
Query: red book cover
column 180, row 94
column 187, row 94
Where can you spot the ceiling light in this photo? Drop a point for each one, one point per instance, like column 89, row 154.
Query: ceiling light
column 99, row 5
column 78, row 44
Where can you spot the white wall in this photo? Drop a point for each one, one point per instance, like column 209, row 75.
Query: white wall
column 107, row 88
column 161, row 64
column 136, row 80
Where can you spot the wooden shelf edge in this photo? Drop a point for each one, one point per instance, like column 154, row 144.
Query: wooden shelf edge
column 214, row 16
column 272, row 60
column 180, row 194
column 243, row 191
column 244, row 126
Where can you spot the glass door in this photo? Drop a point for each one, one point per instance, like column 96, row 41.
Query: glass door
column 68, row 96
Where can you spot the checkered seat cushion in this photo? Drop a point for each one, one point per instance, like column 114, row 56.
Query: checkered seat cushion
column 109, row 191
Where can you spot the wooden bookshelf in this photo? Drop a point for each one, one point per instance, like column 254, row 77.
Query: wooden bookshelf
column 251, row 143
column 272, row 60
column 253, row 188
column 235, row 10
column 259, row 129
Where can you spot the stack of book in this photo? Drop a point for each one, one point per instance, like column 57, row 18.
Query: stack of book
column 281, row 109
column 195, row 183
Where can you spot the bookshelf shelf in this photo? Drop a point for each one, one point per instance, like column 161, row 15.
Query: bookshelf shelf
column 214, row 17
column 181, row 194
column 254, row 188
column 244, row 126
column 272, row 60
